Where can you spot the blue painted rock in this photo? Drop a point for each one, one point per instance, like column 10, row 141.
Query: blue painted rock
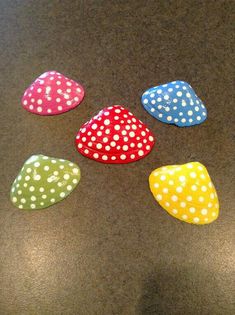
column 174, row 103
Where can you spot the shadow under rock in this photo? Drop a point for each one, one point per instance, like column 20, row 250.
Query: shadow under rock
column 185, row 290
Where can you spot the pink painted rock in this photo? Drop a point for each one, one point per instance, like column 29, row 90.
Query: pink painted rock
column 51, row 94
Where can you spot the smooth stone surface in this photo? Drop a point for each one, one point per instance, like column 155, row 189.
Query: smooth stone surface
column 175, row 103
column 114, row 135
column 186, row 192
column 44, row 181
column 51, row 94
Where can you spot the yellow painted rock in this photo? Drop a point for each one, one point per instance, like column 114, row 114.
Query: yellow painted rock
column 185, row 192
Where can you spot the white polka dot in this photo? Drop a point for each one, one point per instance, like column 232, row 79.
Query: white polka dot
column 104, row 157
column 14, row 199
column 39, row 102
column 94, row 126
column 60, row 108
column 183, row 120
column 190, row 113
column 69, row 187
column 132, row 134
column 189, row 198
column 194, row 187
column 174, row 198
column 62, row 194
column 159, row 197
column 183, row 204
column 196, row 219
column 165, row 190
column 169, row 118
column 116, row 137
column 140, row 153
column 192, row 210
column 145, row 101
column 179, row 93
column 41, row 189
column 166, row 97
column 182, row 178
column 179, row 189
column 27, row 178
column 33, row 206
column 31, row 188
column 184, row 216
column 204, row 211
column 37, row 177
column 117, row 127
column 39, row 109
column 175, row 211
column 107, row 122
column 193, row 175
column 99, row 145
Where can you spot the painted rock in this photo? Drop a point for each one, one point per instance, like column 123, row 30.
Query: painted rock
column 175, row 103
column 44, row 181
column 186, row 192
column 51, row 94
column 114, row 135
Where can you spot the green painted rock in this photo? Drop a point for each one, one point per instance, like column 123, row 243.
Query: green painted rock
column 44, row 181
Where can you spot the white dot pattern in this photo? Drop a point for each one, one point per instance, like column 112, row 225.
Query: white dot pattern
column 190, row 198
column 49, row 94
column 120, row 138
column 175, row 103
column 42, row 182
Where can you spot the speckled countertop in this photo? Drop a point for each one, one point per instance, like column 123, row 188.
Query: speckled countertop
column 109, row 248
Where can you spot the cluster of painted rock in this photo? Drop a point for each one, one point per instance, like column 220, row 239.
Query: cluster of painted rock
column 185, row 192
column 114, row 135
column 44, row 181
column 51, row 94
column 175, row 103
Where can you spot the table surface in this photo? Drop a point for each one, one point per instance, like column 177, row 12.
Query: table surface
column 109, row 248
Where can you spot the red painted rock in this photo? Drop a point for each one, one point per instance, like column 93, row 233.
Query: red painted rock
column 114, row 136
column 51, row 94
